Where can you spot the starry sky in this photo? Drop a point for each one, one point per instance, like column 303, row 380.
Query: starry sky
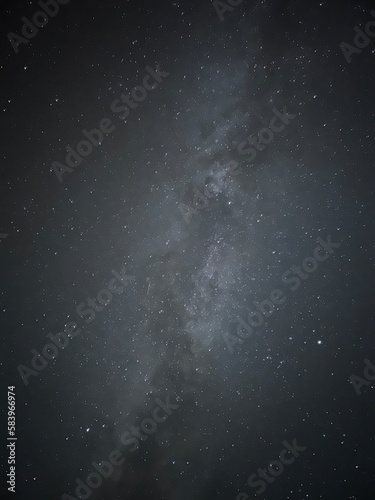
column 201, row 230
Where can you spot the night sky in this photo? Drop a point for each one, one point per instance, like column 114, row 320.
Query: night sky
column 188, row 294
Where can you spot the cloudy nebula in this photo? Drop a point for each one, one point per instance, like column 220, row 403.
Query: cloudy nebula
column 187, row 245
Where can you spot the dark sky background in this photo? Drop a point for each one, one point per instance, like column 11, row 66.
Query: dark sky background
column 121, row 207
